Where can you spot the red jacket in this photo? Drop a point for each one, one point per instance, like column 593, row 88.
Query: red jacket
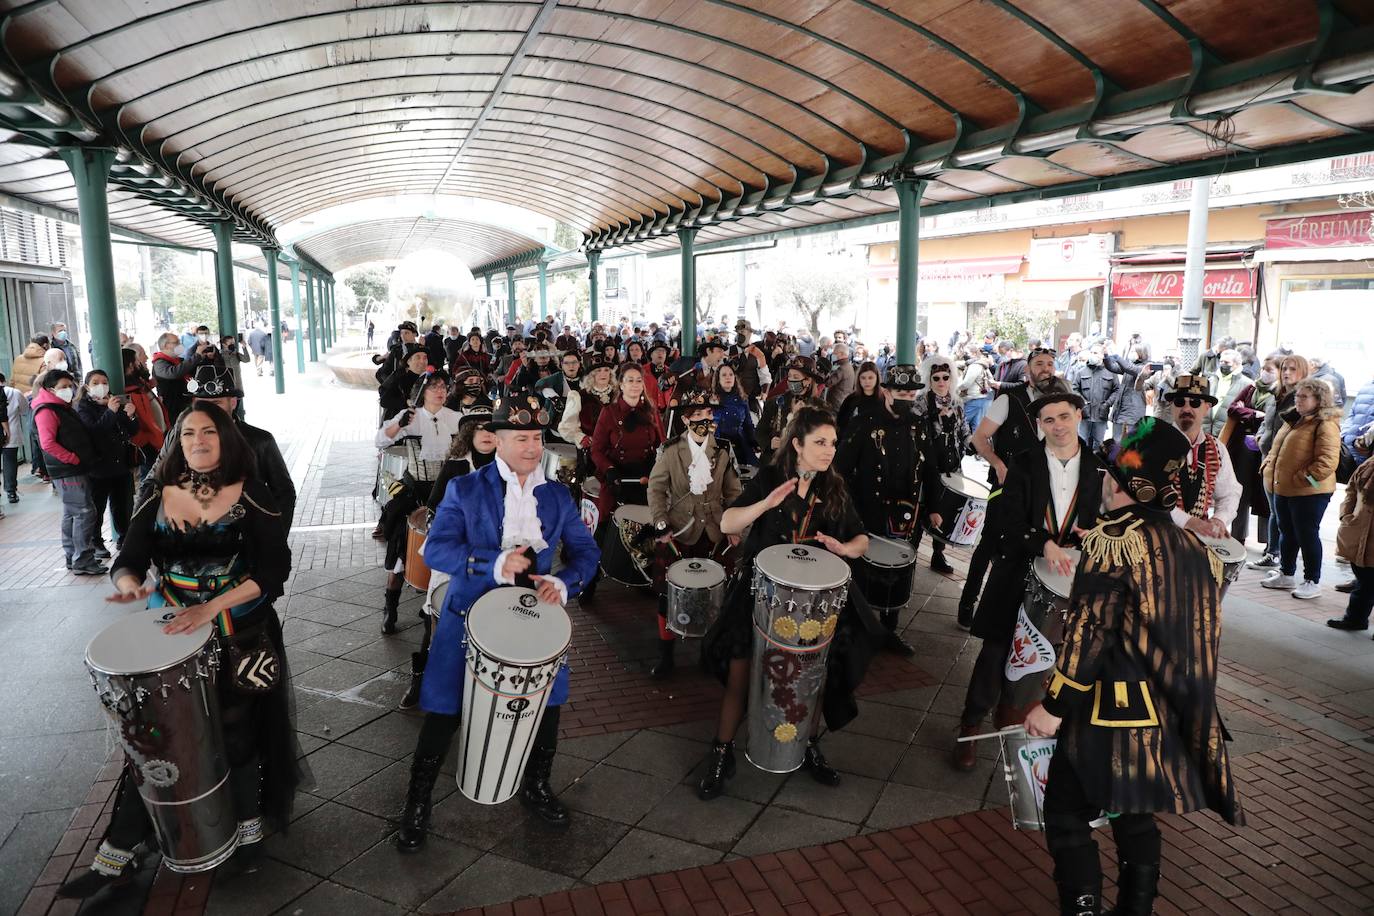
column 616, row 447
column 151, row 414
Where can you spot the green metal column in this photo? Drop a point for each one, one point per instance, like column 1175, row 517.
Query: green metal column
column 487, row 277
column 908, row 268
column 90, row 169
column 322, row 310
column 333, row 313
column 593, row 287
column 296, row 314
column 510, row 295
column 224, row 277
column 310, row 313
column 274, row 307
column 543, row 288
column 686, row 240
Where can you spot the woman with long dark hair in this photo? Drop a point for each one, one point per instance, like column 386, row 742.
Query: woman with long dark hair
column 625, row 443
column 798, row 498
column 864, row 401
column 637, row 355
column 212, row 532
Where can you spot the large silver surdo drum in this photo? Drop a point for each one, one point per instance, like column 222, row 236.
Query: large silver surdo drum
column 798, row 594
column 160, row 692
column 515, row 646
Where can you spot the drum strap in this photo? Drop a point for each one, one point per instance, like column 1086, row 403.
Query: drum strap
column 800, row 534
column 1060, row 529
column 212, row 584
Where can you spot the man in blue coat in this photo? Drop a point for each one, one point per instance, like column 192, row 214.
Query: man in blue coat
column 497, row 526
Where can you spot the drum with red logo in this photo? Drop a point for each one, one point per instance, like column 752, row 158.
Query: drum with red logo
column 962, row 505
column 1036, row 641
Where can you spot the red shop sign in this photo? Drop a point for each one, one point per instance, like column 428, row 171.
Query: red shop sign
column 1226, row 283
column 1327, row 231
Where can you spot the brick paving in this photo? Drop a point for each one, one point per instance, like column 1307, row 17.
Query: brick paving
column 903, row 834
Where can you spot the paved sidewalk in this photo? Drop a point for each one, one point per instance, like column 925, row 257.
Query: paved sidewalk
column 904, row 833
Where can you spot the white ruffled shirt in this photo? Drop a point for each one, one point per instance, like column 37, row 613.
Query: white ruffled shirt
column 520, row 525
column 699, row 471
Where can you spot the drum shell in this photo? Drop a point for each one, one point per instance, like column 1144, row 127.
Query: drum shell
column 886, row 587
column 503, row 704
column 788, row 665
column 560, row 463
column 417, row 571
column 169, row 727
column 691, row 611
column 619, row 561
column 961, row 517
column 394, row 463
column 1026, row 765
column 1046, row 611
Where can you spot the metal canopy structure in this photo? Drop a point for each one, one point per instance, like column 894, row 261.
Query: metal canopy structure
column 633, row 119
column 392, row 239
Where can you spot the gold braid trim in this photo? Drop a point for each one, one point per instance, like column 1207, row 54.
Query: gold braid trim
column 1218, row 569
column 1126, row 548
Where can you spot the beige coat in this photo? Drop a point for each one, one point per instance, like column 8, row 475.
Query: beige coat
column 670, row 496
column 1355, row 537
column 1312, row 448
column 27, row 365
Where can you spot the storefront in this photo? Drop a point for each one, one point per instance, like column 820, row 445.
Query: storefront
column 1065, row 276
column 952, row 295
column 1146, row 300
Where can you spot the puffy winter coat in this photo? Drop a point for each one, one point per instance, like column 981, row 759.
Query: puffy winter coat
column 26, row 366
column 1361, row 415
column 1304, row 447
column 1355, row 537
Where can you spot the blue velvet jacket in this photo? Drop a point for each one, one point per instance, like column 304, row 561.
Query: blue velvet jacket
column 464, row 541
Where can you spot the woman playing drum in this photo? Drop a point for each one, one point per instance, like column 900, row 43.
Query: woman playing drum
column 214, row 533
column 799, row 498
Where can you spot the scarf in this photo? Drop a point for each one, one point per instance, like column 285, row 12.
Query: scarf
column 699, row 471
column 520, row 524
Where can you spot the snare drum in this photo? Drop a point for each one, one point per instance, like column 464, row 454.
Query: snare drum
column 394, row 462
column 886, row 574
column 799, row 592
column 623, row 557
column 560, row 463
column 416, row 570
column 516, row 645
column 1231, row 553
column 160, row 692
column 962, row 506
column 696, row 592
column 1038, row 636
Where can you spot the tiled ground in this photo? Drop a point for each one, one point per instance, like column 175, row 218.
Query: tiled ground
column 903, row 833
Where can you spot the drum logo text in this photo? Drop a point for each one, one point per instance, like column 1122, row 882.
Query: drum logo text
column 528, row 600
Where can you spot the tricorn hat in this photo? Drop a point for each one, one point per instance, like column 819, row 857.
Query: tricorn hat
column 212, row 381
column 1147, row 461
column 1192, row 386
column 521, row 411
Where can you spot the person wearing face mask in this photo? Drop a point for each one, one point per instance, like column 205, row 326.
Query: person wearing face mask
column 1227, row 384
column 802, row 378
column 69, row 454
column 112, row 422
column 1097, row 385
column 53, row 358
column 171, row 367
column 692, row 482
column 1209, row 492
column 469, row 393
column 1243, row 415
column 149, row 411
column 15, row 418
column 61, row 340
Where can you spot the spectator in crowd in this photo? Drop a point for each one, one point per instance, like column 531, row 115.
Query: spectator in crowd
column 1207, row 360
column 806, row 344
column 234, row 354
column 1228, row 383
column 69, row 453
column 1292, row 369
column 1249, row 361
column 1011, row 366
column 1322, row 369
column 434, row 346
column 1130, row 407
column 61, row 339
column 1300, row 471
column 112, row 424
column 1355, row 537
column 53, row 358
column 151, row 413
column 188, row 338
column 17, row 419
column 840, row 383
column 1361, row 415
column 260, row 344
column 1244, row 418
column 1159, row 383
column 975, row 385
column 371, row 332
column 171, row 369
column 1069, row 356
column 29, row 363
column 1097, row 386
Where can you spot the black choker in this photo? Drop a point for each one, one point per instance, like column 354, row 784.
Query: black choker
column 203, row 487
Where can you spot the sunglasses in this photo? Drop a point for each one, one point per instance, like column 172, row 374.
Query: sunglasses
column 942, row 377
column 1039, row 350
column 1194, row 403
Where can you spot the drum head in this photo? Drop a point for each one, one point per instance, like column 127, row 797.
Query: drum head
column 1228, row 550
column 640, row 515
column 512, row 624
column 800, row 566
column 591, row 487
column 696, row 573
column 889, row 553
column 965, row 486
column 137, row 645
column 1056, row 583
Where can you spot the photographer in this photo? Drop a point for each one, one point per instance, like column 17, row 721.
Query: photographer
column 112, row 422
column 234, row 354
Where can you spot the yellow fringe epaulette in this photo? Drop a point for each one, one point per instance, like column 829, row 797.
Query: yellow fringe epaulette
column 1124, row 548
column 1218, row 569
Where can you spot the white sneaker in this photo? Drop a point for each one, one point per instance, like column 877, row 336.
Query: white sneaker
column 1279, row 580
column 1307, row 590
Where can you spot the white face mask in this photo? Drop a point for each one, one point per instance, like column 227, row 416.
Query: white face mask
column 99, row 391
column 60, row 365
column 65, row 394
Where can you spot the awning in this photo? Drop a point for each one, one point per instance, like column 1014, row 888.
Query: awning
column 1298, row 255
column 956, row 269
column 1232, row 281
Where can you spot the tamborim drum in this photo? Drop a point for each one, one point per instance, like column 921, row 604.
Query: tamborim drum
column 624, row 557
column 416, row 570
column 1231, row 553
column 515, row 646
column 886, row 574
column 799, row 592
column 696, row 591
column 1038, row 636
column 962, row 506
column 560, row 463
column 160, row 692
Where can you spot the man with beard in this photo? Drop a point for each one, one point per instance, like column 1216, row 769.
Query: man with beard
column 1006, row 432
column 1210, row 492
column 802, row 378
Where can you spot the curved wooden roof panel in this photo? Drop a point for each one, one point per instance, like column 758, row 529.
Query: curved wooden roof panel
column 471, row 242
column 630, row 119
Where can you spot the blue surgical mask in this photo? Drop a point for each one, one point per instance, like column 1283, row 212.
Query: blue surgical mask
column 62, row 335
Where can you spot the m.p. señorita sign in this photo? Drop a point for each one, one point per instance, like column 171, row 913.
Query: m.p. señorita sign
column 1223, row 283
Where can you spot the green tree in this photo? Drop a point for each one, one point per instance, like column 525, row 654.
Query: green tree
column 816, row 284
column 1014, row 320
column 566, row 237
column 194, row 302
column 127, row 293
column 166, row 266
column 369, row 283
column 256, row 288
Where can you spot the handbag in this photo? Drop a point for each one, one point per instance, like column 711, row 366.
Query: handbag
column 253, row 663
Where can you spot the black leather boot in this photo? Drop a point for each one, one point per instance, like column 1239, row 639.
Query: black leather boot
column 417, row 671
column 536, row 794
column 892, row 642
column 665, row 664
column 1136, row 889
column 937, row 559
column 720, row 766
column 1080, row 900
column 814, row 761
column 424, row 770
column 393, row 598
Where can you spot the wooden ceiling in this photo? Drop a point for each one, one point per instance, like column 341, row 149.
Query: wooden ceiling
column 628, row 119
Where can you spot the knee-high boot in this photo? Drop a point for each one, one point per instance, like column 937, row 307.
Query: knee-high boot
column 435, row 736
column 535, row 793
column 393, row 599
column 893, row 642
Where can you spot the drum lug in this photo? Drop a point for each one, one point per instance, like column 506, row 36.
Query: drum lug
column 184, row 682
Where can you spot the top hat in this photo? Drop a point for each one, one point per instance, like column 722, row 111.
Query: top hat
column 903, row 377
column 657, row 345
column 1147, row 461
column 1192, row 386
column 408, row 326
column 522, row 411
column 597, row 361
column 807, row 366
column 212, row 381
column 480, row 415
column 713, row 343
column 694, row 399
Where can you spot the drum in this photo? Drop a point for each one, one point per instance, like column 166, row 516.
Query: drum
column 160, row 692
column 591, row 515
column 962, row 506
column 416, row 570
column 1039, row 634
column 392, row 469
column 799, row 592
column 886, row 574
column 696, row 592
column 515, row 645
column 1026, row 766
column 623, row 557
column 1231, row 553
column 560, row 463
